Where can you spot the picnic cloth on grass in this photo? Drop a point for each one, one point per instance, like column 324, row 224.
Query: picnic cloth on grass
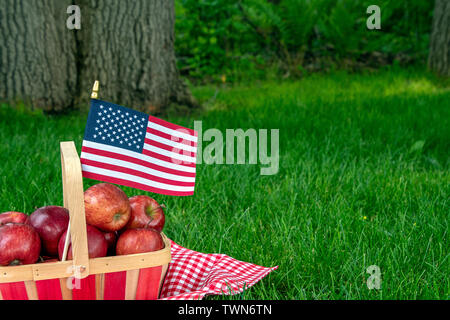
column 192, row 275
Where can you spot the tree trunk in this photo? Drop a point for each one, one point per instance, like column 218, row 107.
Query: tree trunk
column 127, row 45
column 439, row 55
column 36, row 54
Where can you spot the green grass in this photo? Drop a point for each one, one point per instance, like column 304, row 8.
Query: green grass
column 363, row 180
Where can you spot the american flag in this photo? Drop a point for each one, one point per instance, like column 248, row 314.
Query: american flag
column 130, row 148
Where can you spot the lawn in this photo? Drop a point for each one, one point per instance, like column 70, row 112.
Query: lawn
column 363, row 180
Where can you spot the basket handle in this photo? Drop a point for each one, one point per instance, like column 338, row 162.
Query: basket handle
column 74, row 202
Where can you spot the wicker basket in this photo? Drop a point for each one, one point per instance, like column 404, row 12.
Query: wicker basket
column 127, row 277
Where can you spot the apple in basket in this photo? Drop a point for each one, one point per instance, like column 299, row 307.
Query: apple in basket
column 139, row 241
column 97, row 245
column 50, row 222
column 19, row 244
column 146, row 212
column 111, row 239
column 45, row 259
column 107, row 207
column 12, row 217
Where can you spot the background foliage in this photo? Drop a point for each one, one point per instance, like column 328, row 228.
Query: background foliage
column 233, row 40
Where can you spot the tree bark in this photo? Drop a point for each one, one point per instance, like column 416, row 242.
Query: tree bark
column 439, row 55
column 127, row 45
column 36, row 54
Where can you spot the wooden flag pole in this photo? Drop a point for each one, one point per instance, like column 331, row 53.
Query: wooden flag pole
column 66, row 243
column 94, row 95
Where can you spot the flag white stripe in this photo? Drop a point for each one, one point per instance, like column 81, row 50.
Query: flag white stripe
column 134, row 166
column 170, row 142
column 172, row 155
column 177, row 133
column 143, row 157
column 133, row 178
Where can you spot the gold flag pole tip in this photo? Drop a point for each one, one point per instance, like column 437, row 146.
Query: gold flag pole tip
column 94, row 94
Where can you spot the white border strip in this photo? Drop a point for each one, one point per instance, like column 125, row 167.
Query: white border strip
column 181, row 133
column 170, row 143
column 173, row 155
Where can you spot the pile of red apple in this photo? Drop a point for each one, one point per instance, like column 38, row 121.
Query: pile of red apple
column 116, row 225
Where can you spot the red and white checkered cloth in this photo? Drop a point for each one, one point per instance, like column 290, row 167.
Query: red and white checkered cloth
column 192, row 275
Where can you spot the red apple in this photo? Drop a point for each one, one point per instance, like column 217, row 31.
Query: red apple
column 12, row 217
column 19, row 244
column 146, row 212
column 107, row 207
column 97, row 245
column 46, row 260
column 50, row 222
column 139, row 241
column 111, row 239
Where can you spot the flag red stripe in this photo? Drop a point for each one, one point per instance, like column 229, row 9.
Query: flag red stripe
column 169, row 148
column 135, row 185
column 171, row 138
column 172, row 126
column 118, row 156
column 141, row 174
column 168, row 159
